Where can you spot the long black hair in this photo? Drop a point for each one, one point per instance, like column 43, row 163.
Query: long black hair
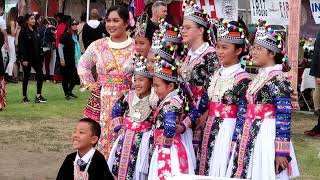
column 26, row 18
column 69, row 25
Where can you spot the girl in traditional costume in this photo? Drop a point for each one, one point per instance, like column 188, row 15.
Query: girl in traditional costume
column 264, row 149
column 201, row 60
column 133, row 113
column 171, row 155
column 223, row 100
column 113, row 58
column 143, row 35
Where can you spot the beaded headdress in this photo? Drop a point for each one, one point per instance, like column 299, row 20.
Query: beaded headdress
column 265, row 36
column 165, row 44
column 231, row 33
column 144, row 28
column 268, row 38
column 140, row 66
column 195, row 13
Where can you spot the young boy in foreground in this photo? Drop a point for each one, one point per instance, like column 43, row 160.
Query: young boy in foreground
column 86, row 163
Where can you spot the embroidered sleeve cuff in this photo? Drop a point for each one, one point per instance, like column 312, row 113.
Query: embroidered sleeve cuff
column 117, row 123
column 282, row 148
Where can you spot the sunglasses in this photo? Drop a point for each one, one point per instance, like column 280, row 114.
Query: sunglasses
column 75, row 24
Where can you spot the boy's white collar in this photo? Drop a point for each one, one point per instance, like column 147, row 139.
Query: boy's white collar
column 86, row 157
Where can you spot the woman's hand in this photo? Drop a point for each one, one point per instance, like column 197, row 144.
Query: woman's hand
column 25, row 63
column 281, row 161
column 93, row 87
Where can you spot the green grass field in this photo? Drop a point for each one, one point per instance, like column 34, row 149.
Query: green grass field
column 57, row 109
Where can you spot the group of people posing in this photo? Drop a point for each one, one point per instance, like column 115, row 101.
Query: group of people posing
column 177, row 101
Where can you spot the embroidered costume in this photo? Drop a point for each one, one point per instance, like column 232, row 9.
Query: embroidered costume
column 114, row 68
column 266, row 132
column 196, row 68
column 200, row 64
column 171, row 155
column 3, row 92
column 129, row 156
column 225, row 104
column 223, row 100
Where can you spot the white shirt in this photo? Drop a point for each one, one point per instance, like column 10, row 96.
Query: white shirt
column 198, row 52
column 232, row 70
column 86, row 157
column 2, row 23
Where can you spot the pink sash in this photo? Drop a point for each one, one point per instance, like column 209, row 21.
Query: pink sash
column 164, row 154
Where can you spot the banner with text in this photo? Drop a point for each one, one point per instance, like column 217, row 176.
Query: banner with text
column 227, row 9
column 315, row 9
column 273, row 11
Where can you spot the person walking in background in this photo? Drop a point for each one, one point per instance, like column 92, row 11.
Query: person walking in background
column 12, row 30
column 315, row 71
column 47, row 41
column 61, row 21
column 113, row 58
column 69, row 53
column 20, row 25
column 80, row 31
column 93, row 29
column 31, row 56
column 159, row 11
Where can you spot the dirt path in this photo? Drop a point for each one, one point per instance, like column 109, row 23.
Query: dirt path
column 33, row 150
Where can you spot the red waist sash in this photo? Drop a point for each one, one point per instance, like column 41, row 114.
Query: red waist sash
column 143, row 126
column 222, row 110
column 260, row 111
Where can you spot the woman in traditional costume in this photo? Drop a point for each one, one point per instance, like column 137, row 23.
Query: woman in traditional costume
column 113, row 58
column 264, row 149
column 201, row 60
column 171, row 155
column 223, row 99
